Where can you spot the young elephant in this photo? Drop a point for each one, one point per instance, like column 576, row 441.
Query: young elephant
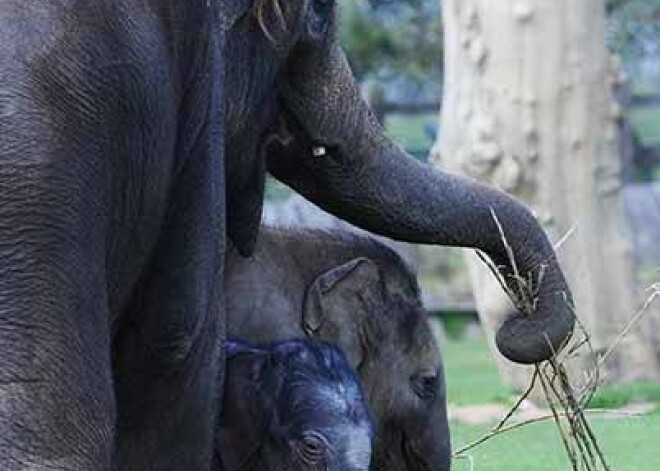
column 354, row 292
column 296, row 405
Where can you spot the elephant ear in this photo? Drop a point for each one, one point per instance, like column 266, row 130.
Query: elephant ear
column 240, row 427
column 244, row 208
column 337, row 306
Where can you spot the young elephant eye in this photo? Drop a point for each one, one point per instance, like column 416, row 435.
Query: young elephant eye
column 311, row 447
column 425, row 385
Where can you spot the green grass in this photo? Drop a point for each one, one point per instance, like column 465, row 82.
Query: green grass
column 455, row 324
column 471, row 376
column 629, row 444
column 645, row 122
column 608, row 397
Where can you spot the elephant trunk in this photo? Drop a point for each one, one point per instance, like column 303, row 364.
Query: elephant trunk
column 340, row 159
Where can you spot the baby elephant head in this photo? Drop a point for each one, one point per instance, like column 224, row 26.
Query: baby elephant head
column 296, row 405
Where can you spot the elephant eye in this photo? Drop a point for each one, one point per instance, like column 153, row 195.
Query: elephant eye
column 319, row 151
column 311, row 447
column 425, row 385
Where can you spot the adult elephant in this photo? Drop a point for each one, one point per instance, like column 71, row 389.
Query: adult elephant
column 129, row 138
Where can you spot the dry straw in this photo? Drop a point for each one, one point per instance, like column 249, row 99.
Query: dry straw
column 567, row 402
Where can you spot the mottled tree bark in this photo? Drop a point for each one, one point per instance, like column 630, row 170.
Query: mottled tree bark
column 528, row 106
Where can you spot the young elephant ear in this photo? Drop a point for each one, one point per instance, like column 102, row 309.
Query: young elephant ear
column 337, row 303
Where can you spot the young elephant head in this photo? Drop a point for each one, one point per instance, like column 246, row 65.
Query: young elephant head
column 373, row 313
column 296, row 405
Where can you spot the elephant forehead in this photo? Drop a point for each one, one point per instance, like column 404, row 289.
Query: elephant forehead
column 338, row 400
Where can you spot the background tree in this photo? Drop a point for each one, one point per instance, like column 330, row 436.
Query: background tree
column 528, row 106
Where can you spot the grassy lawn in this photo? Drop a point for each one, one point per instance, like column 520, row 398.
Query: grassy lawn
column 630, row 444
column 471, row 376
column 646, row 124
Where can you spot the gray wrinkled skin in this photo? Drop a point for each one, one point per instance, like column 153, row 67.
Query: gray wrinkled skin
column 292, row 406
column 111, row 223
column 358, row 294
column 130, row 147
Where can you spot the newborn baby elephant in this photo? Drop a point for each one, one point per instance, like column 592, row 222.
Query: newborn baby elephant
column 296, row 405
column 358, row 294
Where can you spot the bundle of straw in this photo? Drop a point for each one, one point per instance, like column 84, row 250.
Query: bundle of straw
column 567, row 403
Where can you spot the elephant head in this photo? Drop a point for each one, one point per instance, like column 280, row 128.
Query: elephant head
column 295, row 405
column 287, row 63
column 373, row 313
column 259, row 45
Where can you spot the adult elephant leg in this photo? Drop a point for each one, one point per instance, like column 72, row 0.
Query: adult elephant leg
column 340, row 159
column 56, row 398
column 168, row 358
column 168, row 361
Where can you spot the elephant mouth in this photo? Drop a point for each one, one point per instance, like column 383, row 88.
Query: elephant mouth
column 290, row 128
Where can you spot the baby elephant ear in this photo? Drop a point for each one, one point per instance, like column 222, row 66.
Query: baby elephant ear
column 337, row 304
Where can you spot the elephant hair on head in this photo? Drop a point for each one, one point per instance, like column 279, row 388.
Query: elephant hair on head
column 292, row 406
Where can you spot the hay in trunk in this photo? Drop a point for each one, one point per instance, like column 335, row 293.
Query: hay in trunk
column 567, row 401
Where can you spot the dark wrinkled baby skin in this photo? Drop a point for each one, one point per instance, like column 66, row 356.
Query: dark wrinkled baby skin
column 356, row 293
column 292, row 406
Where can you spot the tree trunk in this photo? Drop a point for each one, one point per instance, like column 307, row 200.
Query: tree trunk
column 528, row 105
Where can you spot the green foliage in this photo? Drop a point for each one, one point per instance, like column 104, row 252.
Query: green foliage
column 609, row 397
column 386, row 39
column 455, row 324
column 632, row 26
